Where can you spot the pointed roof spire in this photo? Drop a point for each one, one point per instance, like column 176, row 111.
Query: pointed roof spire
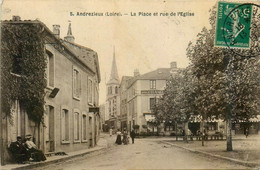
column 69, row 36
column 69, row 30
column 114, row 74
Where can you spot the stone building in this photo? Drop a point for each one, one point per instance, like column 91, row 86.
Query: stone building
column 102, row 111
column 142, row 92
column 113, row 97
column 71, row 118
column 123, row 101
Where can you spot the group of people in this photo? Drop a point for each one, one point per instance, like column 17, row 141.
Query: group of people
column 125, row 139
column 23, row 151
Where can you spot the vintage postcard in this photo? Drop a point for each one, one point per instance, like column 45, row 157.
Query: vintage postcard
column 127, row 84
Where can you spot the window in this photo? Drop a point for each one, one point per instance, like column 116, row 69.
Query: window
column 76, row 126
column 116, row 90
column 110, row 107
column 16, row 64
column 152, row 103
column 76, row 84
column 90, row 91
column 133, row 107
column 84, row 127
column 152, row 84
column 50, row 69
column 64, row 125
column 97, row 97
column 212, row 126
column 109, row 90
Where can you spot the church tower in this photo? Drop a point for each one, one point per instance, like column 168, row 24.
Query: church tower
column 113, row 96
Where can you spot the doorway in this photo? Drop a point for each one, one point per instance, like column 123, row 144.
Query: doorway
column 90, row 132
column 49, row 131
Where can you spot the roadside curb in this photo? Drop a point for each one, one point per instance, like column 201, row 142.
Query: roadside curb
column 244, row 163
column 62, row 159
column 101, row 145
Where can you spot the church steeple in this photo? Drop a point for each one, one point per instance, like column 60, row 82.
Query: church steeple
column 69, row 36
column 114, row 74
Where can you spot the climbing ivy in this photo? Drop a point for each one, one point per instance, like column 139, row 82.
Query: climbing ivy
column 23, row 67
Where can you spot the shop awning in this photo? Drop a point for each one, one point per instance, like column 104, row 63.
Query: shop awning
column 149, row 117
column 256, row 119
column 198, row 118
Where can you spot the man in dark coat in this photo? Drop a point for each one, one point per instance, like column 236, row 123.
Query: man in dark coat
column 18, row 151
column 132, row 135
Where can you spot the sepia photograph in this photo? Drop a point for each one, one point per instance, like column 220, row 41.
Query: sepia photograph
column 129, row 84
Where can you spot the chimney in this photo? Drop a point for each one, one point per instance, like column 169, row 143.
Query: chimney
column 56, row 31
column 16, row 18
column 136, row 73
column 173, row 65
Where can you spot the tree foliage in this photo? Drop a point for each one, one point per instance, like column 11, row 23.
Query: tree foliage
column 218, row 83
column 23, row 68
column 228, row 79
column 227, row 83
column 177, row 102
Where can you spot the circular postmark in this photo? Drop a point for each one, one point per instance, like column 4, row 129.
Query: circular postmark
column 241, row 30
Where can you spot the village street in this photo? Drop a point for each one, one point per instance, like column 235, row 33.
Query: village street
column 146, row 153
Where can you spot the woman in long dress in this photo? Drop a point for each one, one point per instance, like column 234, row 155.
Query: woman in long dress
column 118, row 137
column 125, row 140
column 35, row 153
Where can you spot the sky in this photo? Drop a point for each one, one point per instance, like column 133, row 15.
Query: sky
column 141, row 42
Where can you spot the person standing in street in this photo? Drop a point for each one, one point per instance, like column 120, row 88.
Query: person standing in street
column 118, row 137
column 125, row 137
column 246, row 133
column 110, row 132
column 132, row 135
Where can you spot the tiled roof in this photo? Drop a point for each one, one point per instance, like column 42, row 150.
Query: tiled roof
column 85, row 54
column 125, row 80
column 158, row 74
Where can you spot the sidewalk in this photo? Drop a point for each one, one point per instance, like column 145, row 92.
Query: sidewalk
column 101, row 145
column 246, row 151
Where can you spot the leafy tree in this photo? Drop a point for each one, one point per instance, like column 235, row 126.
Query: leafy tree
column 177, row 103
column 23, row 68
column 228, row 84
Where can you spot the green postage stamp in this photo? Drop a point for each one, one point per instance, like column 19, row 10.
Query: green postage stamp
column 233, row 25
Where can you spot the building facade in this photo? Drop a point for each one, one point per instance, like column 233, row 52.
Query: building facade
column 113, row 97
column 123, row 101
column 142, row 92
column 102, row 111
column 71, row 117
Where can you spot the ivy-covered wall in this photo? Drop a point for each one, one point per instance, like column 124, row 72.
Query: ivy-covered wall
column 23, row 66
